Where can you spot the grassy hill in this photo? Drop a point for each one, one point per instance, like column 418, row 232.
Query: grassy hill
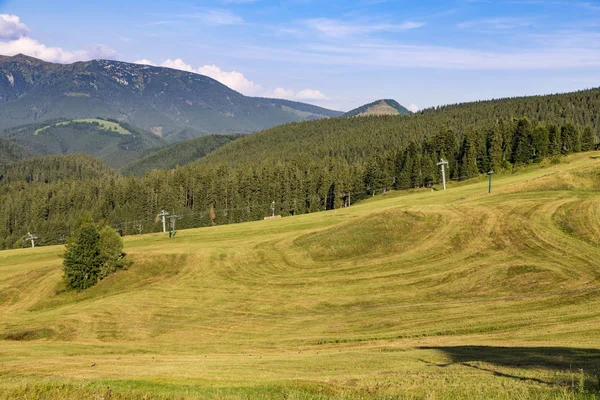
column 179, row 154
column 379, row 107
column 162, row 100
column 116, row 143
column 419, row 294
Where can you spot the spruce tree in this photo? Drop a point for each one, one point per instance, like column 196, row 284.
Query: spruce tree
column 588, row 141
column 540, row 142
column 523, row 149
column 555, row 141
column 495, row 148
column 571, row 138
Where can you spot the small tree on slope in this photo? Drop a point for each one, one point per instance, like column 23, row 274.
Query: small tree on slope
column 91, row 255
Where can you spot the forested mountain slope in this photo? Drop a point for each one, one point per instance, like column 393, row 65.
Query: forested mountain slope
column 314, row 166
column 52, row 169
column 355, row 138
column 302, row 110
column 162, row 100
column 179, row 154
column 11, row 152
column 116, row 143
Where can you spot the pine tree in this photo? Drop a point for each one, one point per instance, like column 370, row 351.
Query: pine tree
column 523, row 149
column 540, row 142
column 495, row 148
column 469, row 167
column 555, row 141
column 588, row 141
column 571, row 138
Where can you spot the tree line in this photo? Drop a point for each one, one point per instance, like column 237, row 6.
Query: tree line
column 47, row 195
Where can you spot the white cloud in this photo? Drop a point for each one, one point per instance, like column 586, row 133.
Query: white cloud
column 496, row 24
column 583, row 51
column 310, row 94
column 216, row 17
column 409, row 25
column 33, row 48
column 306, row 94
column 233, row 79
column 237, row 81
column 340, row 29
column 11, row 27
column 177, row 64
column 413, row 107
column 281, row 93
column 145, row 61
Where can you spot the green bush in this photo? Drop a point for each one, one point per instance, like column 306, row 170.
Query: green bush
column 92, row 253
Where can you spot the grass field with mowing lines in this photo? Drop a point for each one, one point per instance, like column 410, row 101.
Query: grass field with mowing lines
column 420, row 294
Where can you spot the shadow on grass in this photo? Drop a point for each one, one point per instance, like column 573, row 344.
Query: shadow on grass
column 563, row 359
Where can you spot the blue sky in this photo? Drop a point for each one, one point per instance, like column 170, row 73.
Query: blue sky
column 338, row 54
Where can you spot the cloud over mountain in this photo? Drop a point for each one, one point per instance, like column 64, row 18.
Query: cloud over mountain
column 15, row 40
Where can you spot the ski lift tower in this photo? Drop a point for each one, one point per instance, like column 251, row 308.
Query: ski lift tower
column 163, row 214
column 173, row 217
column 32, row 238
column 443, row 163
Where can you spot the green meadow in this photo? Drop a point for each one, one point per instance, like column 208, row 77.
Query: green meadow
column 424, row 294
column 103, row 124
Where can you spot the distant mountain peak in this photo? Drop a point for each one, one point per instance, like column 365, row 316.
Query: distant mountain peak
column 379, row 107
column 22, row 58
column 157, row 99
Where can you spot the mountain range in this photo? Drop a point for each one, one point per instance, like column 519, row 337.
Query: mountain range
column 172, row 104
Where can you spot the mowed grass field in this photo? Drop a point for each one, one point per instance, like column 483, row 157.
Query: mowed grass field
column 433, row 295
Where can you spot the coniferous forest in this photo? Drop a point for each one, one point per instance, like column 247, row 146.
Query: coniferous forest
column 302, row 167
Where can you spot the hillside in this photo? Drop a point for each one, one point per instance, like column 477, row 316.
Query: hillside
column 302, row 110
column 379, row 107
column 355, row 139
column 161, row 100
column 178, row 154
column 441, row 295
column 115, row 143
column 314, row 166
column 11, row 152
column 48, row 169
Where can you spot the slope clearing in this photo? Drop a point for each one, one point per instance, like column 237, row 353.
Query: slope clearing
column 100, row 123
column 116, row 143
column 421, row 294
